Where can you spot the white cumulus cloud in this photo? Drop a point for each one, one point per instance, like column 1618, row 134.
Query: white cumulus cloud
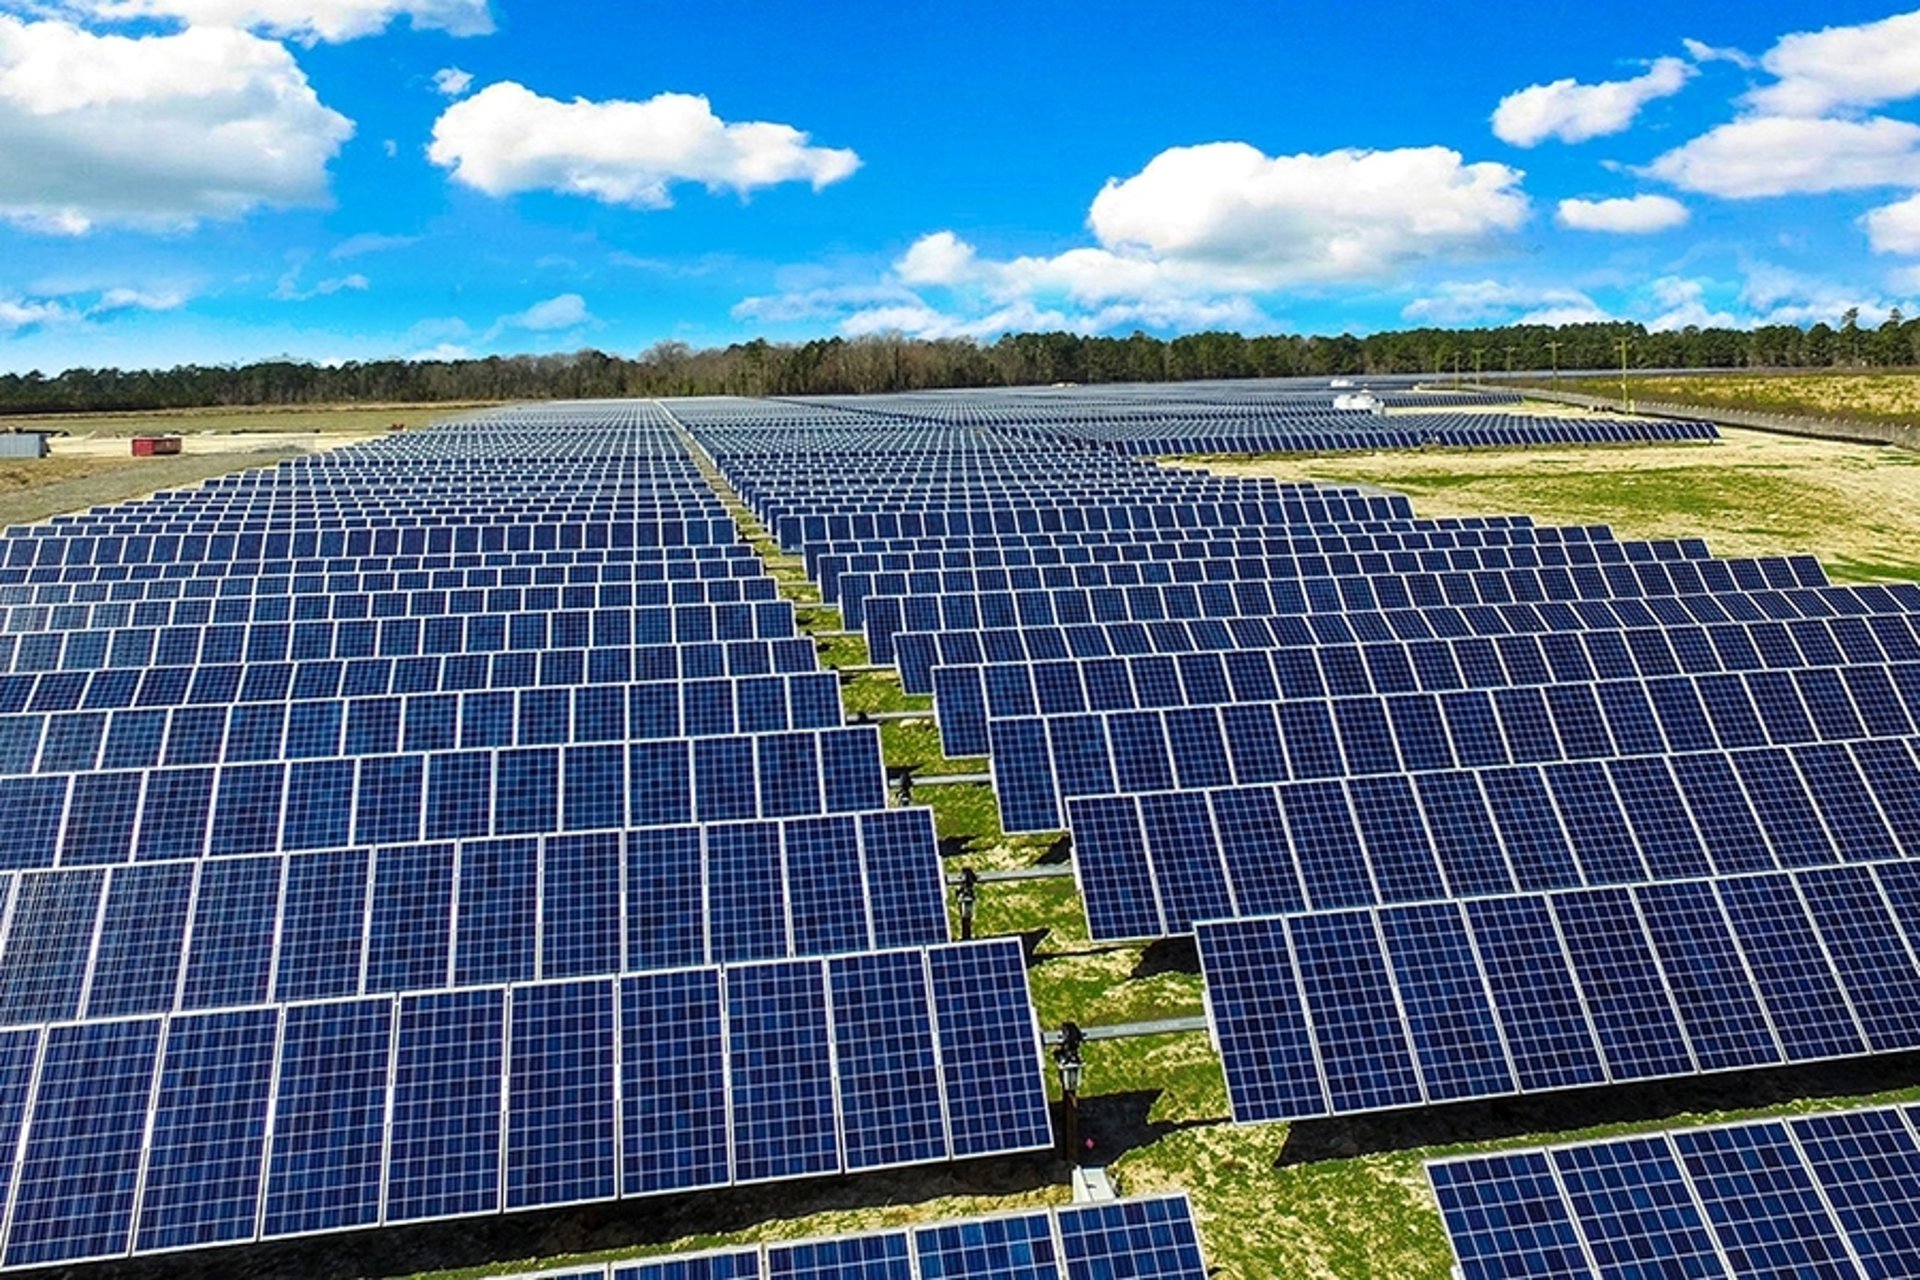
column 507, row 139
column 155, row 132
column 452, row 81
column 567, row 311
column 1702, row 52
column 1233, row 218
column 1638, row 215
column 1895, row 228
column 1574, row 112
column 308, row 20
column 1842, row 68
column 1468, row 302
column 20, row 314
column 1779, row 155
column 1683, row 304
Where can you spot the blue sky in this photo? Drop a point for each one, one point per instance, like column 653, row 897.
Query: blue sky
column 228, row 180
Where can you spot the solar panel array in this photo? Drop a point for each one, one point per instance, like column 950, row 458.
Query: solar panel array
column 454, row 824
column 1151, row 1238
column 1457, row 808
column 1829, row 1195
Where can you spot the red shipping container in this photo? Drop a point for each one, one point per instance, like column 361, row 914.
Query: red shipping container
column 155, row 446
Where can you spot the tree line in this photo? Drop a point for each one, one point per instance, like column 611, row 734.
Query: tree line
column 891, row 362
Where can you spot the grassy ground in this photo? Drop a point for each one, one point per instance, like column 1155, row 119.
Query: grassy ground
column 1857, row 507
column 1890, row 396
column 93, row 465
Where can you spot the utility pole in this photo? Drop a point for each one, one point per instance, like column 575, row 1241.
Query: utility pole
column 1478, row 352
column 1510, row 350
column 1553, row 350
column 1623, row 344
column 1456, row 371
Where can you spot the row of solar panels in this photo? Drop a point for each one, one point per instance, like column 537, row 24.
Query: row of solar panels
column 209, row 577
column 377, row 677
column 889, row 616
column 153, row 1134
column 340, row 602
column 231, row 809
column 331, row 726
column 918, row 652
column 1195, row 560
column 48, row 544
column 314, row 578
column 1042, row 763
column 270, row 642
column 956, row 599
column 1832, row 1195
column 792, row 531
column 1335, row 1013
column 966, row 697
column 1335, row 433
column 909, row 573
column 1152, row 863
column 181, row 936
column 1152, row 1238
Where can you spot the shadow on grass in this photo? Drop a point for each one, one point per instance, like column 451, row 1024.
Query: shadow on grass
column 508, row 1243
column 1112, row 1124
column 1059, row 853
column 1309, row 1141
column 1168, row 955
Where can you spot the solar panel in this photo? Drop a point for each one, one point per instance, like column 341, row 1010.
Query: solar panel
column 1827, row 1195
column 1383, row 1008
column 1151, row 1238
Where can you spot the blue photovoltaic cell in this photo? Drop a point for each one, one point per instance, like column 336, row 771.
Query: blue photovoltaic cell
column 1761, row 1202
column 497, row 912
column 1626, row 994
column 1506, row 1218
column 323, row 1164
column 137, row 966
column 1868, row 1165
column 1548, row 1035
column 18, row 1051
column 889, row 1092
column 1145, row 1239
column 778, row 1057
column 1023, row 776
column 82, row 1152
column 1260, row 1021
column 1705, row 974
column 445, row 1148
column 875, row 1257
column 1790, row 968
column 747, row 916
column 1110, row 861
column 673, row 1083
column 580, row 906
column 204, row 1162
column 711, row 1266
column 407, row 948
column 907, row 895
column 1188, row 872
column 230, row 947
column 560, row 1101
column 1356, row 1019
column 666, row 907
column 825, row 888
column 1869, row 954
column 1633, row 1207
column 983, row 1016
column 1456, row 1040
column 323, row 926
column 988, row 1249
column 1326, row 847
column 48, row 939
column 1253, row 844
